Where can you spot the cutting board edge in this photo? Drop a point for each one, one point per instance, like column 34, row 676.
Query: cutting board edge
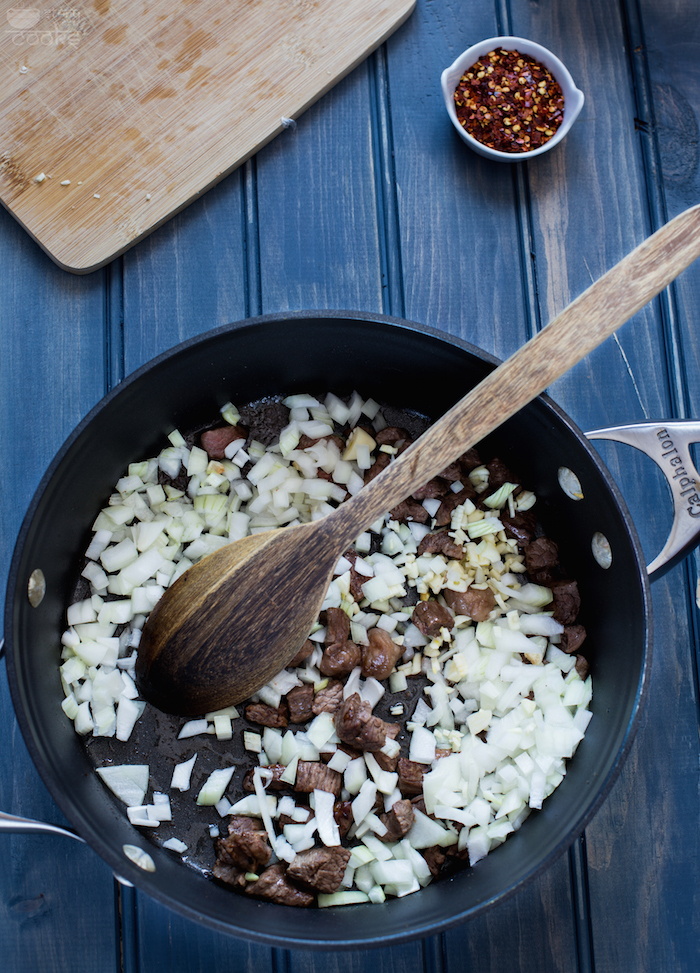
column 61, row 256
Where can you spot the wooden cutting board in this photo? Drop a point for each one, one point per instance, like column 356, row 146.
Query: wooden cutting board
column 116, row 115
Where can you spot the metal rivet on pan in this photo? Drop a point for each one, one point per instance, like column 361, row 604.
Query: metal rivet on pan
column 139, row 857
column 36, row 588
column 602, row 552
column 570, row 483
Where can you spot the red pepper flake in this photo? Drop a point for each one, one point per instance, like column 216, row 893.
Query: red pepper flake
column 509, row 102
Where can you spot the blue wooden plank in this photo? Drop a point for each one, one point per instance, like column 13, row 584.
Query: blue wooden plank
column 459, row 223
column 52, row 370
column 500, row 940
column 188, row 276
column 657, row 796
column 317, row 207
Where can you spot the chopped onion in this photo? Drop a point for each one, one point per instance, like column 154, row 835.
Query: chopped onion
column 128, row 781
column 182, row 774
column 214, row 786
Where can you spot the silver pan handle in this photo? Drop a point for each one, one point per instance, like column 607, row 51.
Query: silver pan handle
column 15, row 824
column 668, row 444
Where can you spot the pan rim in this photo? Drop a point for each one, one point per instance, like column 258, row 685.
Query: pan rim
column 87, row 827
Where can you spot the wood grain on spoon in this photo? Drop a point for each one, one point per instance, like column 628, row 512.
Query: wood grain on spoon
column 235, row 619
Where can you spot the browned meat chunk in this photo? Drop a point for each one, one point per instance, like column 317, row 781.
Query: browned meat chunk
column 321, row 869
column 430, row 617
column 435, row 858
column 303, row 653
column 385, row 762
column 498, row 475
column 475, row 603
column 342, row 813
column 452, row 473
column 567, row 601
column 241, row 822
column 469, row 460
column 356, row 726
column 356, row 579
column 572, row 638
column 274, row 886
column 312, row 774
column 410, row 511
column 433, row 489
column 418, row 803
column 337, row 626
column 393, row 436
column 229, row 874
column 581, row 666
column 247, row 846
column 329, row 699
column 267, row 715
column 380, row 463
column 441, row 543
column 542, row 560
column 411, row 776
column 215, row 441
column 381, row 654
column 300, row 701
column 398, row 821
column 521, row 526
column 272, row 783
column 340, row 659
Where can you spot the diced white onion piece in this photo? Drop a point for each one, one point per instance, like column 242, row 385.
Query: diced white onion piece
column 83, row 720
column 385, row 780
column 119, row 556
column 364, row 802
column 350, row 897
column 262, row 803
column 128, row 781
column 327, row 827
column 140, row 817
column 321, row 729
column 223, row 728
column 182, row 774
column 174, row 844
column 422, row 746
column 128, row 712
column 214, row 786
column 160, row 810
column 81, row 612
column 355, row 775
column 193, row 728
column 339, row 761
column 425, row 832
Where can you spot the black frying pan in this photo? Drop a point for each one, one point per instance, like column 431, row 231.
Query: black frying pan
column 404, row 364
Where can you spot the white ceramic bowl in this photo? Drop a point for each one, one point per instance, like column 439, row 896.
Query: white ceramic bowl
column 573, row 98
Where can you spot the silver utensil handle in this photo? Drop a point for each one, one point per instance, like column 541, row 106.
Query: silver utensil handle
column 13, row 823
column 668, row 444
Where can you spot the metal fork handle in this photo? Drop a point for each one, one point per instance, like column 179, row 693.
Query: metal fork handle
column 668, row 444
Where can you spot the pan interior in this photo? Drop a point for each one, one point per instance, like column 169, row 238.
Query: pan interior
column 405, row 365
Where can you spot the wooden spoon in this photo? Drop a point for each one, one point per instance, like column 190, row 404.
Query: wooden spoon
column 235, row 619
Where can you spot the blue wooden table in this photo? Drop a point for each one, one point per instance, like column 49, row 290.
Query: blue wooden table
column 373, row 203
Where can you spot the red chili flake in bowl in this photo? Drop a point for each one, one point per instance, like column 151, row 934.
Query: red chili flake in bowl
column 509, row 102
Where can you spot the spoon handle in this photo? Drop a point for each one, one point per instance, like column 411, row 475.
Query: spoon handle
column 568, row 338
